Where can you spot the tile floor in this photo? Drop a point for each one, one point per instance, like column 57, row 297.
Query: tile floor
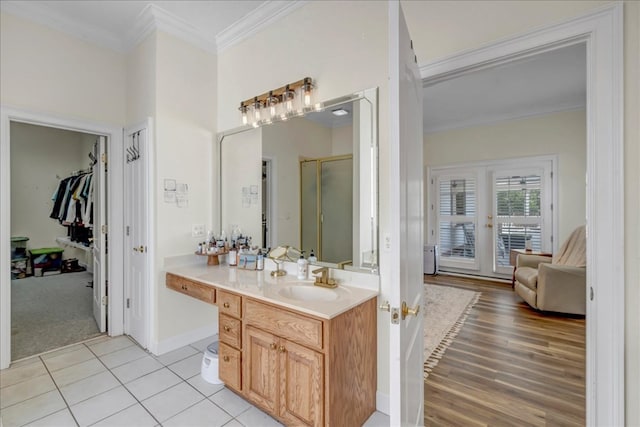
column 113, row 382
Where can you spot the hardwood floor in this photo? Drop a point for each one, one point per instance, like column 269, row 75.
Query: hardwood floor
column 510, row 365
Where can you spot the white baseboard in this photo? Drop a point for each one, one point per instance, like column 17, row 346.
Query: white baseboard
column 382, row 403
column 175, row 342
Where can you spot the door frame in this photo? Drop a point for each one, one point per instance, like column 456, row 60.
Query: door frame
column 149, row 265
column 114, row 214
column 271, row 200
column 602, row 30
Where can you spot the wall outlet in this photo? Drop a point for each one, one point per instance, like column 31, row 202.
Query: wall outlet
column 197, row 230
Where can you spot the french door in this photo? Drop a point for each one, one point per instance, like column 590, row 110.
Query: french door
column 478, row 213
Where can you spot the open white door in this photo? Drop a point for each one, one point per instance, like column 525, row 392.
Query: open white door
column 136, row 244
column 405, row 241
column 100, row 235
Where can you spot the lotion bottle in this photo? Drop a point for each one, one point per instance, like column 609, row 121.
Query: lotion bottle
column 232, row 257
column 312, row 258
column 302, row 267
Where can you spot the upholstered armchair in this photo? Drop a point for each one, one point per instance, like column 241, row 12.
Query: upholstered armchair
column 558, row 283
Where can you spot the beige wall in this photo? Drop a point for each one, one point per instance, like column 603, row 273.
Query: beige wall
column 40, row 157
column 562, row 134
column 342, row 140
column 48, row 71
column 185, row 136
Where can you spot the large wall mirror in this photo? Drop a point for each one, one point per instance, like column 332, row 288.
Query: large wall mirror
column 310, row 182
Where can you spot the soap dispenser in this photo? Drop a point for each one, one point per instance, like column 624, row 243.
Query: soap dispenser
column 302, row 267
column 312, row 258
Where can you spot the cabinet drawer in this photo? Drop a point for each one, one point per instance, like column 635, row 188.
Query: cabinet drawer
column 230, row 331
column 229, row 304
column 229, row 366
column 295, row 327
column 191, row 288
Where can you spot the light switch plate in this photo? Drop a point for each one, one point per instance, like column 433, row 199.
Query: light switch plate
column 197, row 230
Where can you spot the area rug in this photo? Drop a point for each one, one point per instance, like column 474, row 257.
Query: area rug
column 446, row 309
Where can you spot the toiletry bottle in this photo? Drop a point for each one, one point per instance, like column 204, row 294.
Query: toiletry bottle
column 260, row 260
column 233, row 256
column 302, row 267
column 312, row 258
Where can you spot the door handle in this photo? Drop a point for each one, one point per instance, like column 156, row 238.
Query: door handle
column 406, row 311
column 385, row 306
column 227, row 329
column 273, row 346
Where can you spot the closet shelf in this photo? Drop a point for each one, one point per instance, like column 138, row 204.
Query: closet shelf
column 67, row 242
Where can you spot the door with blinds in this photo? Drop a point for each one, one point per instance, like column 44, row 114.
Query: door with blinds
column 480, row 212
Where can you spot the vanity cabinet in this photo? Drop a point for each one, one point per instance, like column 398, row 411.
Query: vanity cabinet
column 285, row 378
column 230, row 333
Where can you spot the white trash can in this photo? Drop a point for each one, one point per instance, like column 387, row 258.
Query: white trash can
column 209, row 369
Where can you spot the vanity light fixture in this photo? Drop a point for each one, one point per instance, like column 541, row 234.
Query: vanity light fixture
column 294, row 99
column 339, row 112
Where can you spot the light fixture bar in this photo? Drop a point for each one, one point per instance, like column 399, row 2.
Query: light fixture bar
column 307, row 81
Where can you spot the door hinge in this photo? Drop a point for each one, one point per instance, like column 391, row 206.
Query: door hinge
column 104, row 228
column 128, row 303
column 551, row 206
column 104, row 158
column 591, row 293
column 551, row 174
column 105, row 300
column 127, row 230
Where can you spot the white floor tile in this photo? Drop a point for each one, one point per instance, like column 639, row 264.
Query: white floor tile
column 133, row 416
column 78, row 372
column 120, row 357
column 176, row 355
column 153, row 383
column 59, row 419
column 378, row 419
column 26, row 390
column 230, row 402
column 203, row 413
column 233, row 423
column 202, row 344
column 132, row 370
column 111, row 345
column 21, row 372
column 89, row 387
column 188, row 367
column 255, row 417
column 32, row 409
column 25, row 362
column 101, row 406
column 60, row 351
column 168, row 403
column 204, row 387
column 64, row 360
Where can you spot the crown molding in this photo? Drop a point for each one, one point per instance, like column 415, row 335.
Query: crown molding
column 500, row 118
column 52, row 19
column 263, row 16
column 153, row 17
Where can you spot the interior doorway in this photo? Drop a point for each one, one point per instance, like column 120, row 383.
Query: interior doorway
column 57, row 188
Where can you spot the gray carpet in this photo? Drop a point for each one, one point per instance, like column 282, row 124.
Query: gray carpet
column 50, row 312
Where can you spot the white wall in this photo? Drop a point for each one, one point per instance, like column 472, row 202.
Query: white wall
column 48, row 71
column 342, row 140
column 40, row 158
column 184, row 149
column 564, row 134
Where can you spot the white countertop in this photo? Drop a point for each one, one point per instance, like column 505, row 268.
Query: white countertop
column 260, row 285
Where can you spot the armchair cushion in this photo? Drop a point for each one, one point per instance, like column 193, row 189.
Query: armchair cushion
column 528, row 276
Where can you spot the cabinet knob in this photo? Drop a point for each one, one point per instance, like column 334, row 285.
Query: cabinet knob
column 282, row 349
column 225, row 305
column 273, row 346
column 227, row 329
column 225, row 358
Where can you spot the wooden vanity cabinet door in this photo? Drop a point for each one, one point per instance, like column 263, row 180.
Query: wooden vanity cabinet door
column 261, row 368
column 229, row 366
column 301, row 384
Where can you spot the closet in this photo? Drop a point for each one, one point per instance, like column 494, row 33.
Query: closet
column 53, row 193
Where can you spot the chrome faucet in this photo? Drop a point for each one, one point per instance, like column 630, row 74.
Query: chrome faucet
column 323, row 279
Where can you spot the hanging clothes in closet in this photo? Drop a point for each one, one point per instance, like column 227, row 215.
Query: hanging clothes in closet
column 73, row 203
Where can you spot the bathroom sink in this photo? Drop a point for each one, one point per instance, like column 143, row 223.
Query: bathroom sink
column 308, row 293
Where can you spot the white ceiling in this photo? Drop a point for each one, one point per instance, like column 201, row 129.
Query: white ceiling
column 549, row 82
column 545, row 83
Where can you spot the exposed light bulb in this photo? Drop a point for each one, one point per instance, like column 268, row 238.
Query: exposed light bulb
column 307, row 98
column 245, row 119
column 257, row 113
